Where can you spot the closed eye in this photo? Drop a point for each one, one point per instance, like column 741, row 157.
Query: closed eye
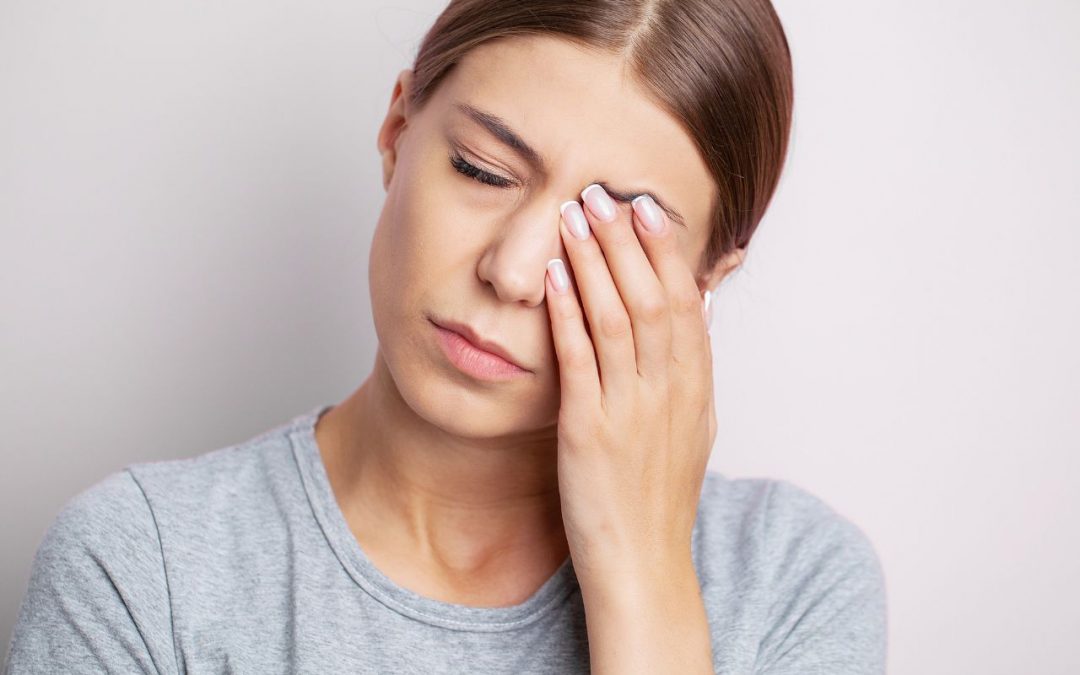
column 476, row 173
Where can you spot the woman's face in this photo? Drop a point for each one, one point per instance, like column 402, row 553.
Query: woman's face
column 448, row 247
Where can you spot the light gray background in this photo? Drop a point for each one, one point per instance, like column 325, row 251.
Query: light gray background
column 187, row 195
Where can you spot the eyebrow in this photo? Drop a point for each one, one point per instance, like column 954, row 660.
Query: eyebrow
column 507, row 136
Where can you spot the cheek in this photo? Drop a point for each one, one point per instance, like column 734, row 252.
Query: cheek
column 423, row 247
column 436, row 205
column 435, row 226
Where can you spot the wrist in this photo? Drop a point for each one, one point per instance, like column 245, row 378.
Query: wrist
column 637, row 579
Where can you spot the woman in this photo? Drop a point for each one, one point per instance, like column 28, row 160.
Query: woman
column 519, row 485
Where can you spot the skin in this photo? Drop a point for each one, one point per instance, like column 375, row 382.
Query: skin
column 475, row 492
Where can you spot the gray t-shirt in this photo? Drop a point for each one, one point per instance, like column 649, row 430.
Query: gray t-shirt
column 239, row 560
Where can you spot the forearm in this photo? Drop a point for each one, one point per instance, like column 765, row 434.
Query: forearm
column 648, row 620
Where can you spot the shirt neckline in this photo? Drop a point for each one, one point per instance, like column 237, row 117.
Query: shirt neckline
column 398, row 598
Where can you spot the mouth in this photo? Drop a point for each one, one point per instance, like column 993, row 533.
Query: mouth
column 474, row 354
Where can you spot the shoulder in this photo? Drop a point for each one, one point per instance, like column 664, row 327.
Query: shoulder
column 97, row 596
column 112, row 514
column 108, row 573
column 788, row 525
column 104, row 536
column 807, row 537
column 217, row 482
column 243, row 502
column 144, row 518
column 120, row 520
column 809, row 580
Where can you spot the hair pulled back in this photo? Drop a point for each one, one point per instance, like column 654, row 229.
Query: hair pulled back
column 720, row 67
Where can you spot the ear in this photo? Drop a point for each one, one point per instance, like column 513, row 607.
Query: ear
column 395, row 122
column 723, row 267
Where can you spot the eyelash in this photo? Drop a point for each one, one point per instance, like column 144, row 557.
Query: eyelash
column 476, row 173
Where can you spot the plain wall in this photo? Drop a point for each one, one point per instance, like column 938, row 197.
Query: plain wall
column 187, row 197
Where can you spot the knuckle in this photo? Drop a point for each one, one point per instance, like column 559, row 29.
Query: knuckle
column 578, row 358
column 621, row 236
column 667, row 245
column 614, row 324
column 653, row 309
column 567, row 311
column 686, row 303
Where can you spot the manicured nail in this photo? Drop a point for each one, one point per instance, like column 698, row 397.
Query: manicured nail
column 649, row 213
column 575, row 219
column 557, row 271
column 599, row 202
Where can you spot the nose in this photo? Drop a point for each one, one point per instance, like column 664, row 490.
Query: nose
column 515, row 262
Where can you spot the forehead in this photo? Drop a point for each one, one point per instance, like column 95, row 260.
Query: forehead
column 584, row 111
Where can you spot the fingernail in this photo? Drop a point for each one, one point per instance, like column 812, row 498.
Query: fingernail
column 575, row 219
column 649, row 213
column 557, row 271
column 599, row 202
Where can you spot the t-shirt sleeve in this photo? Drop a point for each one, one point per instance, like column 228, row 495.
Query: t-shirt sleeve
column 97, row 599
column 828, row 613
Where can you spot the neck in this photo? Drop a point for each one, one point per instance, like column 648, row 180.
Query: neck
column 459, row 507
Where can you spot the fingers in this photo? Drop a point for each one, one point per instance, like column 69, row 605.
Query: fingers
column 689, row 335
column 579, row 379
column 643, row 296
column 609, row 322
column 637, row 292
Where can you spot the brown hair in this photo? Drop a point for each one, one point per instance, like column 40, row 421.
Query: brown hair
column 721, row 67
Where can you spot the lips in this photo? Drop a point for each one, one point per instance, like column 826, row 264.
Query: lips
column 480, row 342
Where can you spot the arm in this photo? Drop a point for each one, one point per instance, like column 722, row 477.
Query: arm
column 650, row 620
column 97, row 599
